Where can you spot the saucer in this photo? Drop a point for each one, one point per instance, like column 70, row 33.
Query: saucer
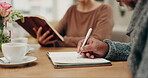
column 26, row 60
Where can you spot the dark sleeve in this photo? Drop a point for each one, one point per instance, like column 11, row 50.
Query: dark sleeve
column 143, row 68
column 117, row 50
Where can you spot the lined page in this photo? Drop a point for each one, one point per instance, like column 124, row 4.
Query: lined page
column 72, row 58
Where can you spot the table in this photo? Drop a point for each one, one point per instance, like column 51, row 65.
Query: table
column 43, row 68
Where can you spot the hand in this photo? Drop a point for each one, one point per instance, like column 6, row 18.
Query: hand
column 43, row 39
column 94, row 48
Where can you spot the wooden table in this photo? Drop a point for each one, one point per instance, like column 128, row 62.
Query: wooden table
column 43, row 67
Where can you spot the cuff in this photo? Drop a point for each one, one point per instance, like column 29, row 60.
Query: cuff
column 111, row 49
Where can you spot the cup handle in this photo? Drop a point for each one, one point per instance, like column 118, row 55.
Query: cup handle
column 27, row 49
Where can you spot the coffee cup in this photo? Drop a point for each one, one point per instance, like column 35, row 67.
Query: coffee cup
column 19, row 40
column 14, row 52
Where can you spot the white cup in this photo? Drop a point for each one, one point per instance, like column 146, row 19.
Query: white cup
column 19, row 40
column 14, row 52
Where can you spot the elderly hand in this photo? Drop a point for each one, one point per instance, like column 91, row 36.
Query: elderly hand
column 94, row 48
column 43, row 39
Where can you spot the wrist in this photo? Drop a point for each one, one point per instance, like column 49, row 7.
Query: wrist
column 105, row 48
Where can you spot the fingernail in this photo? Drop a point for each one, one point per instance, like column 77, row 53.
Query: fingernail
column 92, row 56
column 81, row 49
column 47, row 31
column 40, row 28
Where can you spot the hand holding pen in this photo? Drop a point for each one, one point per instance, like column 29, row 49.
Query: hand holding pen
column 86, row 38
column 94, row 48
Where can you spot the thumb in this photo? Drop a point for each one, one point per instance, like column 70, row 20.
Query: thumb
column 79, row 45
column 87, row 48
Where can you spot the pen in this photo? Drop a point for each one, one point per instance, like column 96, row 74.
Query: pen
column 86, row 38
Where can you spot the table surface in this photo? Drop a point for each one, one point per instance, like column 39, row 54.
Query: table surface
column 43, row 67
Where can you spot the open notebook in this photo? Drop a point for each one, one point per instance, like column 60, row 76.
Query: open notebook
column 72, row 59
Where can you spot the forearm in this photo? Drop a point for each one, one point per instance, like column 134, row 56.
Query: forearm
column 118, row 50
column 69, row 41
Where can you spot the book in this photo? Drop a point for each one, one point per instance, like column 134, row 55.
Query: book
column 73, row 59
column 38, row 21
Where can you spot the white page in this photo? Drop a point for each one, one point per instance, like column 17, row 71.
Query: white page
column 72, row 58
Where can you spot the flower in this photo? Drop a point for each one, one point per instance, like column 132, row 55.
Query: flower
column 5, row 5
column 7, row 15
column 4, row 9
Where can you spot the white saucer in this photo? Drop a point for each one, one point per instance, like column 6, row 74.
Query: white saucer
column 26, row 60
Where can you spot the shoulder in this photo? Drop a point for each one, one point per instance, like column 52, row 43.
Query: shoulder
column 71, row 8
column 105, row 7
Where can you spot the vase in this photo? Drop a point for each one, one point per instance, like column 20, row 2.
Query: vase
column 5, row 35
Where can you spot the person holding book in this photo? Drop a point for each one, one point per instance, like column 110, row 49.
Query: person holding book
column 76, row 22
column 135, row 52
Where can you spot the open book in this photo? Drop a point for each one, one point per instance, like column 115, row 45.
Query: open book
column 73, row 59
column 36, row 22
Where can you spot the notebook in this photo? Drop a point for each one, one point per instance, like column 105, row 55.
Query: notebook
column 38, row 21
column 73, row 59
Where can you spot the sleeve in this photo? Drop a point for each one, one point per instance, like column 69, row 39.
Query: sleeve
column 143, row 68
column 62, row 25
column 118, row 50
column 104, row 24
column 101, row 31
column 69, row 41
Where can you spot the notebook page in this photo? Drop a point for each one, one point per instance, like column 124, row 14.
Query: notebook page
column 72, row 58
column 63, row 54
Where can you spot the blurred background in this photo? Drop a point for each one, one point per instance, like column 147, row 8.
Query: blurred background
column 54, row 10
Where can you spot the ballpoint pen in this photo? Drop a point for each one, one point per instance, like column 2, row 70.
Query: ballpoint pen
column 86, row 38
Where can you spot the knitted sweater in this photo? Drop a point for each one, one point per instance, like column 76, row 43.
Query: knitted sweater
column 137, row 51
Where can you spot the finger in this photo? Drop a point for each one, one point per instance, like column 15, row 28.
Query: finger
column 83, row 54
column 39, row 32
column 92, row 56
column 35, row 30
column 48, row 38
column 88, row 54
column 79, row 45
column 87, row 48
column 44, row 36
column 89, row 41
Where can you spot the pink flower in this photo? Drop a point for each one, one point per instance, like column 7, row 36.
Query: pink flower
column 7, row 14
column 5, row 5
column 4, row 9
column 4, row 12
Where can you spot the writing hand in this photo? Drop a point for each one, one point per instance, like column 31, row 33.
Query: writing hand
column 94, row 48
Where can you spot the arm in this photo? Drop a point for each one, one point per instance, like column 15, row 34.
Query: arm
column 118, row 50
column 62, row 25
column 101, row 30
column 69, row 41
column 104, row 24
column 143, row 66
column 45, row 39
column 107, row 49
